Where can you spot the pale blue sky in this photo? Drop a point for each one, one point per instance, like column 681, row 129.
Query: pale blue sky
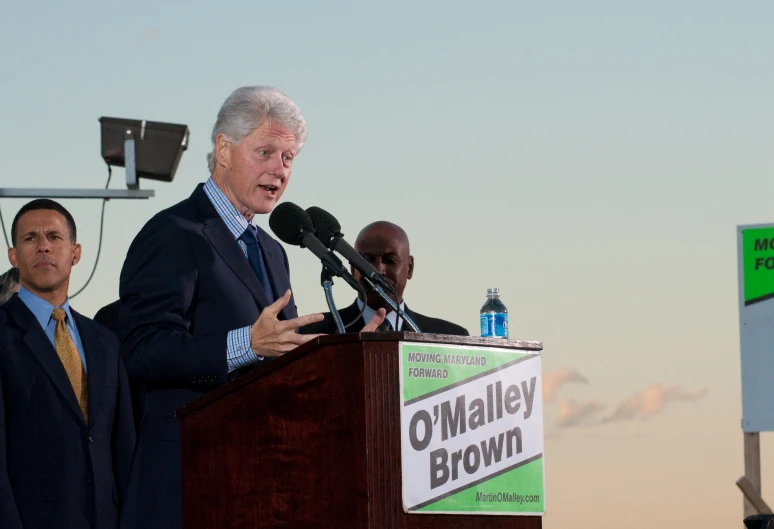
column 590, row 159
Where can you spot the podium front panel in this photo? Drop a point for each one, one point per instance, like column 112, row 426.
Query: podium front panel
column 311, row 440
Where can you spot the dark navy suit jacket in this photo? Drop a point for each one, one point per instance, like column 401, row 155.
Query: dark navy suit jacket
column 56, row 470
column 185, row 284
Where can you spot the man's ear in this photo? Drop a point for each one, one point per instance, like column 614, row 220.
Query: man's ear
column 12, row 257
column 411, row 267
column 222, row 150
column 76, row 254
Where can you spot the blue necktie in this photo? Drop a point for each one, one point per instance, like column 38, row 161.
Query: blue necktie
column 385, row 326
column 255, row 258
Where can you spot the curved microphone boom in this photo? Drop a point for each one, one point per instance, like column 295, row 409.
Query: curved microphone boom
column 294, row 226
column 329, row 232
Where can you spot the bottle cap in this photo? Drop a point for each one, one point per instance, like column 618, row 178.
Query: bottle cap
column 492, row 291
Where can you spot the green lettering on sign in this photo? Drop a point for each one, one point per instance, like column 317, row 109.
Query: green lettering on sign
column 758, row 259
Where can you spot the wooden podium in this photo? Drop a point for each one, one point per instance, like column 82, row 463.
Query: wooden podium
column 312, row 440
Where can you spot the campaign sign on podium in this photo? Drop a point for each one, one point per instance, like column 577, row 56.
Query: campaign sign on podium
column 471, row 430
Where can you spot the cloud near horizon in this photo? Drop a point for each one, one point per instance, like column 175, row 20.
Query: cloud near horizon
column 572, row 413
column 651, row 402
column 553, row 380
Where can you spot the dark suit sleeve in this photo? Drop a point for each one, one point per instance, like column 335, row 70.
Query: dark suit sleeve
column 158, row 290
column 447, row 327
column 436, row 325
column 123, row 433
column 326, row 326
column 9, row 513
column 459, row 331
column 108, row 316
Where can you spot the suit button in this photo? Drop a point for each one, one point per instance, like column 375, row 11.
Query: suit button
column 91, row 439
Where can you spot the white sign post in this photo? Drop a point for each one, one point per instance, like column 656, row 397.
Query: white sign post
column 755, row 251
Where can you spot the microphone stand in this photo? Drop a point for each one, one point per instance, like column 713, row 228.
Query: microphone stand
column 326, row 279
column 392, row 304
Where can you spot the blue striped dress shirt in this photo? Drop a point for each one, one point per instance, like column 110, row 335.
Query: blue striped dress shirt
column 238, row 352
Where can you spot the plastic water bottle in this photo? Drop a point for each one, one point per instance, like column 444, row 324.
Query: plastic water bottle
column 494, row 316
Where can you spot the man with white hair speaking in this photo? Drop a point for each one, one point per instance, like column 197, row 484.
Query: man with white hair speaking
column 206, row 292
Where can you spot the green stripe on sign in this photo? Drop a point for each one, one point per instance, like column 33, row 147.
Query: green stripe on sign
column 758, row 259
column 519, row 490
column 444, row 366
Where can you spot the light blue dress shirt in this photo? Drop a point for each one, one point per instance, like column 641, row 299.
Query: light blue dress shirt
column 238, row 351
column 42, row 310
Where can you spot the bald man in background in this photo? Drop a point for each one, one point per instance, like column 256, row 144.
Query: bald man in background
column 386, row 246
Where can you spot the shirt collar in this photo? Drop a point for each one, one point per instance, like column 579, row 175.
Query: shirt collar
column 41, row 308
column 392, row 317
column 235, row 221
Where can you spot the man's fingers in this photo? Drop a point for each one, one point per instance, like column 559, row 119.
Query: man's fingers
column 295, row 323
column 377, row 320
column 279, row 304
column 289, row 342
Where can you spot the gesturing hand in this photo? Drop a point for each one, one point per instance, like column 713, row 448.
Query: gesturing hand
column 270, row 336
column 377, row 320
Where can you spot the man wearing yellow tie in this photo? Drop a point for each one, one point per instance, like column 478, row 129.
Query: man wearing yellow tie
column 66, row 428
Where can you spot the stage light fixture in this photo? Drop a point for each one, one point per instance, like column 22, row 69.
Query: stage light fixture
column 146, row 149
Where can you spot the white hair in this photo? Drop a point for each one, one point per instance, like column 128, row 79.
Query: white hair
column 248, row 107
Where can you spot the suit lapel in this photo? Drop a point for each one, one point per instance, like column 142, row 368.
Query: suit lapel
column 95, row 350
column 221, row 239
column 40, row 348
column 275, row 267
column 223, row 242
column 416, row 318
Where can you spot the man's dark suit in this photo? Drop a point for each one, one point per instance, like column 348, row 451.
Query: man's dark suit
column 108, row 316
column 425, row 323
column 55, row 470
column 185, row 284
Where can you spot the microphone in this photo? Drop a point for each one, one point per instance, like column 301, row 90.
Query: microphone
column 329, row 232
column 294, row 226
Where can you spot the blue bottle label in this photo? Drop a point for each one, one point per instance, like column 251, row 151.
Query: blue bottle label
column 494, row 325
